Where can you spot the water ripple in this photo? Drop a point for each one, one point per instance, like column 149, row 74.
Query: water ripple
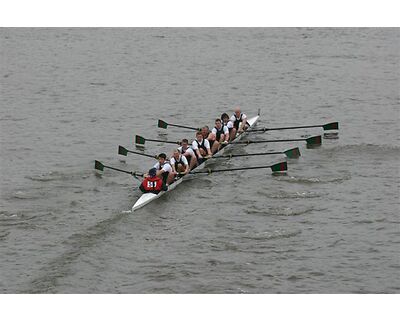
column 290, row 195
column 309, row 180
column 277, row 211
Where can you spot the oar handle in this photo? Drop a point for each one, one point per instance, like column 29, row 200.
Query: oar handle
column 267, row 141
column 123, row 151
column 276, row 167
column 317, row 140
column 328, row 126
column 283, row 128
column 141, row 140
column 143, row 154
column 120, row 170
column 164, row 125
column 132, row 173
column 184, row 127
column 163, row 141
column 248, row 155
column 99, row 166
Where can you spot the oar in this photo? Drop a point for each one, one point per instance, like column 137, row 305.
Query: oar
column 164, row 125
column 291, row 154
column 282, row 166
column 317, row 140
column 123, row 151
column 141, row 140
column 99, row 166
column 328, row 126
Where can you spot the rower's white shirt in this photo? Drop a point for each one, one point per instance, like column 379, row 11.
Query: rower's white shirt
column 206, row 144
column 181, row 157
column 189, row 150
column 229, row 125
column 167, row 167
column 226, row 130
column 233, row 118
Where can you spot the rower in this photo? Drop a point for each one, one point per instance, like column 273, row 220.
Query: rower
column 201, row 147
column 221, row 132
column 239, row 120
column 205, row 131
column 164, row 169
column 208, row 135
column 152, row 183
column 179, row 163
column 188, row 152
column 229, row 124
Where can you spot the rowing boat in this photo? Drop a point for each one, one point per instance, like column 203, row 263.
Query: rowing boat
column 146, row 198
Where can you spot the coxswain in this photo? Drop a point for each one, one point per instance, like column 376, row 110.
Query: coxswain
column 164, row 169
column 229, row 124
column 179, row 163
column 152, row 183
column 188, row 152
column 201, row 148
column 239, row 120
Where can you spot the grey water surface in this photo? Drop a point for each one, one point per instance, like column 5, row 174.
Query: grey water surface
column 70, row 96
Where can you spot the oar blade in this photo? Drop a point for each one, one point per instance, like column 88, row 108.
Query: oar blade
column 122, row 151
column 292, row 153
column 140, row 140
column 98, row 165
column 331, row 126
column 162, row 124
column 279, row 167
column 314, row 141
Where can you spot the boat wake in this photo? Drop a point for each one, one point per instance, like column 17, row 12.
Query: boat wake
column 277, row 234
column 59, row 176
column 304, row 180
column 277, row 211
column 362, row 148
column 290, row 195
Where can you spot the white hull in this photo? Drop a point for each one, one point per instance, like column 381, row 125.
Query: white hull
column 149, row 197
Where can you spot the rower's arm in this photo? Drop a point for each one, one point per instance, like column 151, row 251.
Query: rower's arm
column 224, row 138
column 196, row 151
column 207, row 145
column 243, row 123
column 173, row 167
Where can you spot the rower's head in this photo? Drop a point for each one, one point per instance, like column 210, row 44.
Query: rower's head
column 176, row 154
column 205, row 131
column 199, row 136
column 162, row 157
column 218, row 123
column 224, row 118
column 184, row 143
column 152, row 172
column 237, row 111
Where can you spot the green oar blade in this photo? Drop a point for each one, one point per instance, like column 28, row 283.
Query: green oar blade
column 139, row 140
column 98, row 165
column 162, row 124
column 279, row 167
column 331, row 126
column 317, row 140
column 292, row 153
column 122, row 151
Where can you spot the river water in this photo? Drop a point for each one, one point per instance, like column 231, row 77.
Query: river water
column 70, row 96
